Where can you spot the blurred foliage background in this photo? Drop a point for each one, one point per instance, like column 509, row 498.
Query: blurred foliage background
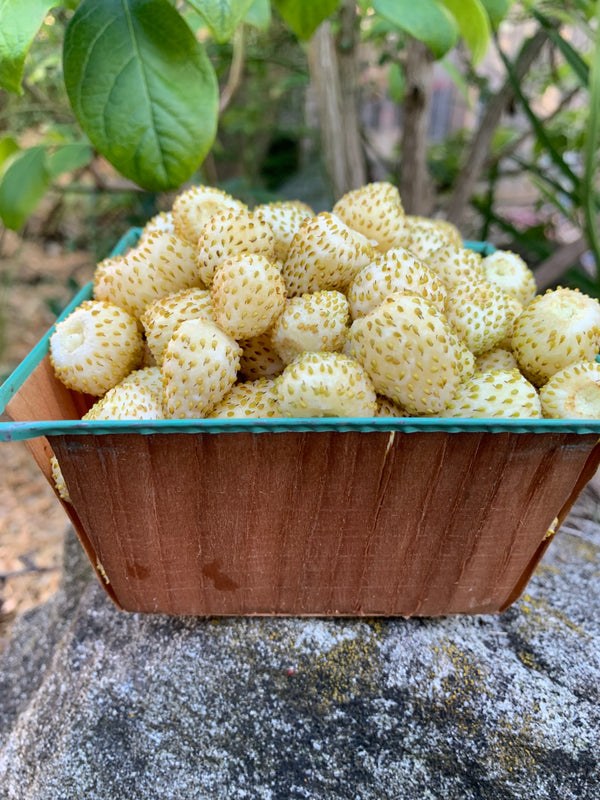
column 492, row 123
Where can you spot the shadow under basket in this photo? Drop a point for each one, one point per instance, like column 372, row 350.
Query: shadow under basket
column 323, row 517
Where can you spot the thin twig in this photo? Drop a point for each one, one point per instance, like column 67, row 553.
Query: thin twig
column 235, row 71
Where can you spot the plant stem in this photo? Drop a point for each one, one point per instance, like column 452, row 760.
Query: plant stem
column 235, row 71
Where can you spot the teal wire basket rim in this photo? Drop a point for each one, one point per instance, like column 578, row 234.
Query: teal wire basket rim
column 13, row 431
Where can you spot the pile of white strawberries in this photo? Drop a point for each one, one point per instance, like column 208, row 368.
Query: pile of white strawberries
column 223, row 312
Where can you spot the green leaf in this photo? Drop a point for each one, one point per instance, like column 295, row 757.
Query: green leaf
column 142, row 88
column 68, row 158
column 222, row 16
column 459, row 81
column 473, row 24
column 426, row 20
column 396, row 82
column 259, row 14
column 497, row 10
column 24, row 182
column 8, row 146
column 305, row 16
column 19, row 23
column 571, row 56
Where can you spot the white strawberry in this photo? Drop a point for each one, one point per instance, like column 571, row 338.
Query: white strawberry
column 375, row 210
column 199, row 367
column 496, row 358
column 229, row 233
column 193, row 208
column 148, row 377
column 422, row 239
column 325, row 385
column 161, row 318
column 499, row 393
column 316, row 321
column 248, row 294
column 95, row 347
column 398, row 270
column 284, row 218
column 417, row 225
column 508, row 271
column 324, row 254
column 251, row 399
column 481, row 314
column 456, row 265
column 159, row 223
column 573, row 392
column 127, row 400
column 558, row 328
column 411, row 353
column 159, row 265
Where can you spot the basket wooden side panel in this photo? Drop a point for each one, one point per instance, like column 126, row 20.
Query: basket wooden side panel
column 324, row 523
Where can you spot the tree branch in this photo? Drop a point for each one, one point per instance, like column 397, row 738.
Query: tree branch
column 550, row 270
column 415, row 123
column 332, row 69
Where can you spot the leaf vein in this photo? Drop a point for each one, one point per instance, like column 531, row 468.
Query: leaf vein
column 145, row 86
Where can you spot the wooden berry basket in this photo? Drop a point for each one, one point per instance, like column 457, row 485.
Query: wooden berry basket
column 394, row 517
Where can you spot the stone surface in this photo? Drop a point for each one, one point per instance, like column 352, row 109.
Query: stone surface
column 102, row 705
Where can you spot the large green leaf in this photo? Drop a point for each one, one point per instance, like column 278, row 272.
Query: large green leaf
column 222, row 16
column 259, row 14
column 142, row 89
column 473, row 24
column 24, row 182
column 426, row 20
column 305, row 16
column 19, row 23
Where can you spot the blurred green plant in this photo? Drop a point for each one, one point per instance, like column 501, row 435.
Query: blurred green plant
column 557, row 150
column 142, row 88
column 162, row 89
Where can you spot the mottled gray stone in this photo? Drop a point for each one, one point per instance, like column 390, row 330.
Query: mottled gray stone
column 101, row 705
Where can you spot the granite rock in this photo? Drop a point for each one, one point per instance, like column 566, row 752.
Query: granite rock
column 101, row 705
